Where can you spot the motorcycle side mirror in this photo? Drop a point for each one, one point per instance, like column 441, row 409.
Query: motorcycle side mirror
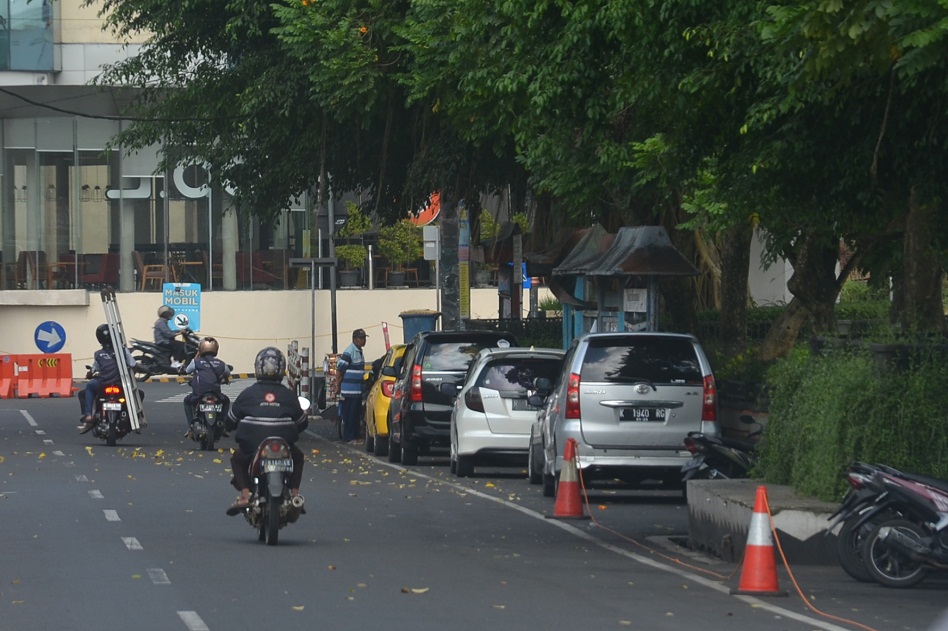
column 305, row 403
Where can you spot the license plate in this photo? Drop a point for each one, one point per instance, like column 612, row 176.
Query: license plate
column 521, row 404
column 116, row 407
column 285, row 465
column 642, row 414
column 211, row 407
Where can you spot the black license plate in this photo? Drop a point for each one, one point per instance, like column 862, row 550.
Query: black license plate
column 643, row 415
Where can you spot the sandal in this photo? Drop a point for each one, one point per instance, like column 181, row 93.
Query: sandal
column 239, row 505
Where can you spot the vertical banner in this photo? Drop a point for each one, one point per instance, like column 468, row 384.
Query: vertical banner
column 464, row 260
column 388, row 342
column 185, row 299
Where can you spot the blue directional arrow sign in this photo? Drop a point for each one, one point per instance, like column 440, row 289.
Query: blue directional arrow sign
column 50, row 337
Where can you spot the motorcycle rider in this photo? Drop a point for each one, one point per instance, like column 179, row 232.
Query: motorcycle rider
column 166, row 338
column 209, row 373
column 104, row 371
column 266, row 408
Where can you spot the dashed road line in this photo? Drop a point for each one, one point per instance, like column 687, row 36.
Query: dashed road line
column 111, row 515
column 158, row 576
column 192, row 621
column 132, row 543
column 29, row 418
column 96, row 494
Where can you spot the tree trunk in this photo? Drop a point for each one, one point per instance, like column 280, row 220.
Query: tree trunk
column 815, row 287
column 735, row 268
column 921, row 305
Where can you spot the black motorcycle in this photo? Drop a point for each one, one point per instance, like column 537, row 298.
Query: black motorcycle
column 154, row 360
column 207, row 423
column 717, row 458
column 110, row 416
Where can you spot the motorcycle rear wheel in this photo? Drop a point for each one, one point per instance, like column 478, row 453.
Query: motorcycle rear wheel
column 273, row 521
column 207, row 443
column 849, row 547
column 888, row 566
column 112, row 436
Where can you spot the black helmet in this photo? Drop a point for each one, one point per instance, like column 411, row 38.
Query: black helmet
column 164, row 311
column 103, row 334
column 270, row 365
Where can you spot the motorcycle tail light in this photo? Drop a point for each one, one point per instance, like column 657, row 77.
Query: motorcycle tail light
column 113, row 390
column 275, row 449
column 692, row 445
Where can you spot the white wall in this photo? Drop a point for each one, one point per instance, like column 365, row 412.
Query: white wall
column 244, row 322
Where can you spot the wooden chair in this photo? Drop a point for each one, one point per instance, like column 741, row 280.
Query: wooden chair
column 154, row 273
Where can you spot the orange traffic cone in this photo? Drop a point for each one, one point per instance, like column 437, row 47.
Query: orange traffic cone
column 759, row 574
column 568, row 503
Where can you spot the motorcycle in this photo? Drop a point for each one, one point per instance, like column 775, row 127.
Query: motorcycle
column 154, row 360
column 717, row 458
column 207, row 424
column 271, row 505
column 860, row 510
column 110, row 417
column 899, row 552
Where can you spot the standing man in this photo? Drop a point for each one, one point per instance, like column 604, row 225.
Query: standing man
column 352, row 365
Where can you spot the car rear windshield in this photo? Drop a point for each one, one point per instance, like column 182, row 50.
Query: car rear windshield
column 517, row 376
column 668, row 360
column 454, row 355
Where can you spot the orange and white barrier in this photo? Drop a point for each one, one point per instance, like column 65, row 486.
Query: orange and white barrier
column 48, row 375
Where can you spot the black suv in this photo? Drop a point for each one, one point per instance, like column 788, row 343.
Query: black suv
column 420, row 414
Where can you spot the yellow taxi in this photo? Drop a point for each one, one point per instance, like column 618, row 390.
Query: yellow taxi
column 377, row 402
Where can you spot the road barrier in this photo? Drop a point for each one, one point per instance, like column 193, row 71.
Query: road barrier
column 47, row 375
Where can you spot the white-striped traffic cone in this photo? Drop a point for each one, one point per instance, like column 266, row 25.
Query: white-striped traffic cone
column 759, row 573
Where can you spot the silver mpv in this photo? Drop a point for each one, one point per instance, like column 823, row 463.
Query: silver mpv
column 629, row 400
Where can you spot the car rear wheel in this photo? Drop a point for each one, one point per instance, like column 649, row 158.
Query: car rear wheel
column 380, row 446
column 535, row 463
column 464, row 466
column 394, row 450
column 549, row 485
column 409, row 455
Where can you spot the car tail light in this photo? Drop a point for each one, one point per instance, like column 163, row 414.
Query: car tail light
column 572, row 396
column 387, row 388
column 709, row 402
column 113, row 390
column 473, row 400
column 416, row 383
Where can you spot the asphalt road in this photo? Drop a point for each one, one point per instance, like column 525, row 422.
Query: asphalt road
column 135, row 537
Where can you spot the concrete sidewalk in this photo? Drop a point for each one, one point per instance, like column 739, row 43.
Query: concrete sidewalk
column 719, row 515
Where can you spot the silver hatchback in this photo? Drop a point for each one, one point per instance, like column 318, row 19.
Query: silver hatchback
column 629, row 400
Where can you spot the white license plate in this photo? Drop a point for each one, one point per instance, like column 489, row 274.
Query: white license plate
column 211, row 407
column 286, row 465
column 642, row 414
column 116, row 407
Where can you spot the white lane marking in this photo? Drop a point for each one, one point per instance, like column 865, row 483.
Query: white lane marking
column 82, row 478
column 158, row 576
column 111, row 515
column 132, row 543
column 40, row 432
column 192, row 621
column 29, row 419
column 230, row 390
column 58, row 453
column 96, row 494
column 582, row 534
column 47, row 441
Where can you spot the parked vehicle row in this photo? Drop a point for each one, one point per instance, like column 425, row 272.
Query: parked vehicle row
column 629, row 399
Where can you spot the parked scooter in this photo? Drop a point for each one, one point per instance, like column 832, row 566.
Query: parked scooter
column 271, row 505
column 900, row 552
column 859, row 512
column 156, row 360
column 717, row 458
